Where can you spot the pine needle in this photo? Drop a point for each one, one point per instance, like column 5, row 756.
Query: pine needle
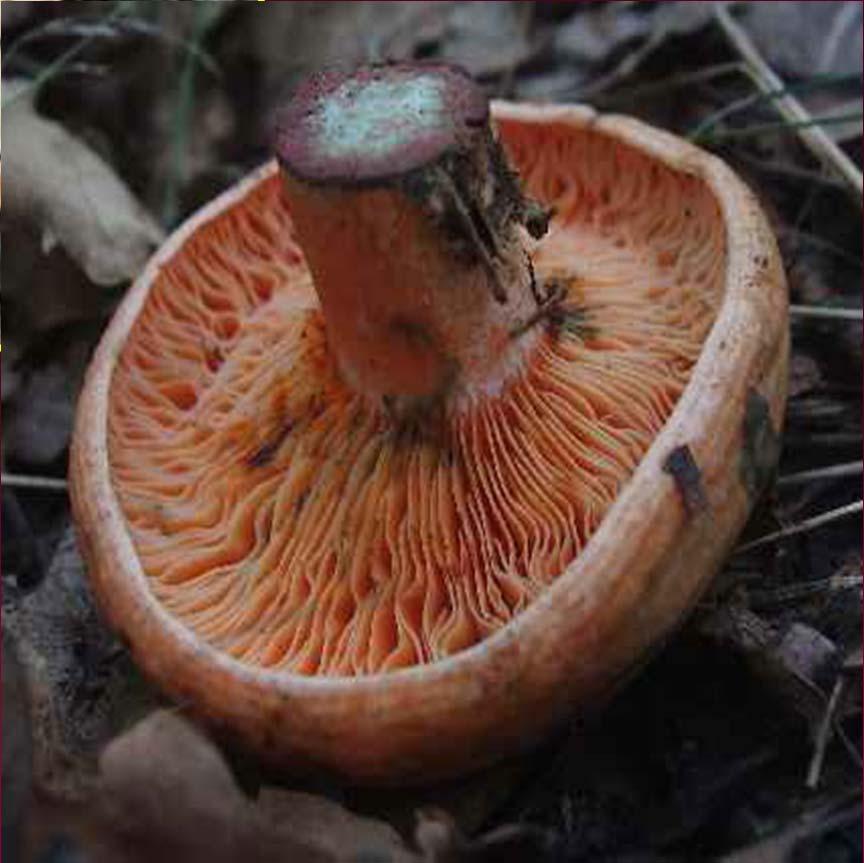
column 827, row 313
column 806, row 526
column 852, row 468
column 46, row 483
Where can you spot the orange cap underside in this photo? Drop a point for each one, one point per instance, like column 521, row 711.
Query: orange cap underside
column 281, row 518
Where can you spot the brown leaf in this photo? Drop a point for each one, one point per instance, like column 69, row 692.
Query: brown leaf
column 801, row 40
column 488, row 38
column 290, row 40
column 166, row 793
column 59, row 186
column 162, row 789
column 17, row 750
column 163, row 784
column 83, row 687
column 40, row 420
column 794, row 662
column 441, row 841
column 804, row 374
column 330, row 828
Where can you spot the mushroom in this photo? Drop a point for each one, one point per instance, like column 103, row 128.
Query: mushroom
column 373, row 473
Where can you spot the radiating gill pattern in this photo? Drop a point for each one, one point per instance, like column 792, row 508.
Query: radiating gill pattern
column 288, row 524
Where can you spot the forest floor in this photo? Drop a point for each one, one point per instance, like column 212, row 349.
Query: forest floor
column 741, row 740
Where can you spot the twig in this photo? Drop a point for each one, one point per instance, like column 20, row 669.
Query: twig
column 802, row 590
column 624, row 69
column 780, row 846
column 701, row 130
column 852, row 468
column 484, row 253
column 812, row 136
column 805, row 526
column 673, row 82
column 18, row 480
column 761, row 129
column 827, row 312
column 56, row 65
column 823, row 735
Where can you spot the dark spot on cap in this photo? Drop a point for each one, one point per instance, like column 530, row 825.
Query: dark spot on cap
column 265, row 453
column 682, row 467
column 760, row 448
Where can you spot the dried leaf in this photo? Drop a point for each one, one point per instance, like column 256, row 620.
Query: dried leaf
column 163, row 775
column 806, row 653
column 17, row 750
column 290, row 40
column 804, row 374
column 591, row 36
column 40, row 420
column 804, row 39
column 166, row 793
column 487, row 38
column 795, row 662
column 590, row 41
column 62, row 188
column 330, row 828
column 83, row 687
column 441, row 841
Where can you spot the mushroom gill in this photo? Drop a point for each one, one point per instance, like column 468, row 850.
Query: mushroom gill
column 291, row 523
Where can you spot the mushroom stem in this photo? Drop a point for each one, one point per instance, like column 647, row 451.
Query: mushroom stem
column 412, row 225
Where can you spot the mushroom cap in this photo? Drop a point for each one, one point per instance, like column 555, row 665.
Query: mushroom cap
column 593, row 498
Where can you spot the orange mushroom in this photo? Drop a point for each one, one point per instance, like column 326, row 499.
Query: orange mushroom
column 370, row 475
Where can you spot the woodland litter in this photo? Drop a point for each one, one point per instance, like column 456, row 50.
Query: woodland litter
column 739, row 741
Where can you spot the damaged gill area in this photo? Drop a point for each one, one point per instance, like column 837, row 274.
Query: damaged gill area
column 274, row 510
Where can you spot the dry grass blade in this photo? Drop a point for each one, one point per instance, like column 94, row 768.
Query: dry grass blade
column 790, row 108
column 834, row 471
column 804, row 526
column 46, row 483
column 781, row 126
column 823, row 735
column 804, row 590
column 826, row 313
column 665, row 85
column 704, row 129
